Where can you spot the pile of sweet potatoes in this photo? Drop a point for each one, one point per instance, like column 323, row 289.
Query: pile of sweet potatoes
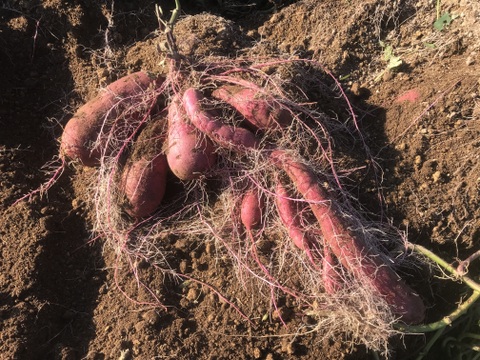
column 196, row 126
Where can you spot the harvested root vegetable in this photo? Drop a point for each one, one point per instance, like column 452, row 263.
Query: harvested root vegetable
column 206, row 122
column 352, row 251
column 260, row 111
column 81, row 139
column 144, row 177
column 190, row 153
column 331, row 279
column 287, row 211
column 227, row 139
column 144, row 182
column 251, row 209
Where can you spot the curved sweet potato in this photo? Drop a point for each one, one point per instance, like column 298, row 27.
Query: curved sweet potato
column 80, row 138
column 288, row 212
column 350, row 249
column 144, row 184
column 189, row 152
column 223, row 134
column 259, row 110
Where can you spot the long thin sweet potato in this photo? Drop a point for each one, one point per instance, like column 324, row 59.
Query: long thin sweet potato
column 287, row 211
column 225, row 135
column 351, row 250
column 261, row 111
column 331, row 279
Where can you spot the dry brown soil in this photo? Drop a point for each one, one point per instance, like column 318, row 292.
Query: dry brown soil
column 60, row 297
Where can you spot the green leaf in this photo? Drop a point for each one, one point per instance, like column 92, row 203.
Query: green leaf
column 388, row 52
column 394, row 62
column 429, row 45
column 442, row 22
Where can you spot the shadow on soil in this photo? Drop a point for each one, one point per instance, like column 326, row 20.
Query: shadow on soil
column 35, row 79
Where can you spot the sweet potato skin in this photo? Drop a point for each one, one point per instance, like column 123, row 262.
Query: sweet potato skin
column 260, row 111
column 222, row 134
column 190, row 154
column 251, row 210
column 352, row 251
column 288, row 214
column 79, row 138
column 144, row 183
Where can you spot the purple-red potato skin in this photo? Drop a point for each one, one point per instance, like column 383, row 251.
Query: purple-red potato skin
column 288, row 214
column 351, row 251
column 79, row 138
column 259, row 110
column 331, row 279
column 81, row 131
column 251, row 210
column 224, row 135
column 144, row 184
column 190, row 153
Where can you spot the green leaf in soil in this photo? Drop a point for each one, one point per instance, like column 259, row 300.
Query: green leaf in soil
column 388, row 52
column 442, row 22
column 394, row 62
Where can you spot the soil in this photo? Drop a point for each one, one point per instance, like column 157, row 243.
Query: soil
column 65, row 294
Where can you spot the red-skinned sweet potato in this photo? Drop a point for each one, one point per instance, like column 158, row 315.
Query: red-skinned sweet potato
column 351, row 250
column 251, row 209
column 144, row 184
column 80, row 136
column 223, row 134
column 259, row 110
column 189, row 152
column 288, row 213
column 331, row 278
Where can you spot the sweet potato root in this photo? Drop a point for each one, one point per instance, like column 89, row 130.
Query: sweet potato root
column 251, row 210
column 225, row 135
column 331, row 279
column 351, row 250
column 80, row 136
column 260, row 111
column 287, row 211
column 189, row 152
column 144, row 182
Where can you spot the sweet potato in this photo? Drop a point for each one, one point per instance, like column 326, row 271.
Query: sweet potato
column 259, row 110
column 287, row 211
column 223, row 134
column 351, row 250
column 331, row 279
column 189, row 152
column 80, row 136
column 144, row 182
column 251, row 210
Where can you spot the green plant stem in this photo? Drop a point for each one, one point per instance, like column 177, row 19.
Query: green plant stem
column 440, row 324
column 175, row 13
column 431, row 342
column 465, row 279
column 470, row 336
column 461, row 309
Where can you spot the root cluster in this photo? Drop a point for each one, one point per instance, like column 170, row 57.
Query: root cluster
column 325, row 257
